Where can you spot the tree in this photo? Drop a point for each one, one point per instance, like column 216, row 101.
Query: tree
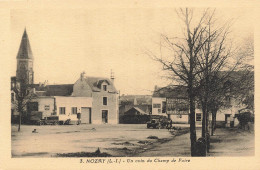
column 246, row 78
column 182, row 62
column 23, row 95
column 214, row 57
column 196, row 58
column 237, row 82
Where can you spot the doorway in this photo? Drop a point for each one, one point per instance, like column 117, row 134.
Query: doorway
column 104, row 116
column 85, row 115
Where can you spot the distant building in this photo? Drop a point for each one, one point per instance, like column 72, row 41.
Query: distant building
column 135, row 105
column 96, row 98
column 172, row 101
column 135, row 111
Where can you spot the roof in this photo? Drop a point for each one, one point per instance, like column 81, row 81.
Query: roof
column 95, row 84
column 136, row 99
column 54, row 90
column 171, row 91
column 25, row 51
column 137, row 109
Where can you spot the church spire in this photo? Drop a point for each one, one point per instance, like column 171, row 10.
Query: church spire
column 25, row 51
column 24, row 71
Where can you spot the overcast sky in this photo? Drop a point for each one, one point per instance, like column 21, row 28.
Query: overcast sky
column 66, row 42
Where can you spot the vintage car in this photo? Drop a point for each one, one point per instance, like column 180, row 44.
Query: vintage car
column 158, row 123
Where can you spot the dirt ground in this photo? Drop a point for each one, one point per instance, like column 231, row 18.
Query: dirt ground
column 50, row 140
column 225, row 142
column 232, row 142
column 124, row 141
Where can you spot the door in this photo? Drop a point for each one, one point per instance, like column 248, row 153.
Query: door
column 85, row 115
column 104, row 116
column 227, row 118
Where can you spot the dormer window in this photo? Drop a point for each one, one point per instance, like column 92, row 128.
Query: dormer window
column 105, row 87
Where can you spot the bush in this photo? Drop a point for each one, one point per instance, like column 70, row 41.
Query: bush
column 245, row 118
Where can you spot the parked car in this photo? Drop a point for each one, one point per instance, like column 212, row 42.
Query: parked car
column 158, row 123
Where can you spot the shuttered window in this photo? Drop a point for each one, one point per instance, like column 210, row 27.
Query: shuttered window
column 62, row 110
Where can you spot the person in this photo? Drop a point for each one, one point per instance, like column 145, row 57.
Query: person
column 171, row 124
column 78, row 116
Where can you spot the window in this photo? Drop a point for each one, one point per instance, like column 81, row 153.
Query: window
column 12, row 97
column 104, row 100
column 198, row 116
column 47, row 107
column 163, row 107
column 156, row 105
column 105, row 87
column 32, row 106
column 62, row 111
column 74, row 110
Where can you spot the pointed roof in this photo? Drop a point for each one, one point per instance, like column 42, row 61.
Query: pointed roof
column 25, row 51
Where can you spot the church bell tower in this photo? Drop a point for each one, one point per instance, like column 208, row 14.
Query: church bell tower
column 24, row 71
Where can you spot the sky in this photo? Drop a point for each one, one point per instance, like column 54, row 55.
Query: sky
column 66, row 42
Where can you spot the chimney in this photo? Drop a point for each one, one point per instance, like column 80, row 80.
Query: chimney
column 135, row 101
column 155, row 88
column 112, row 76
column 82, row 75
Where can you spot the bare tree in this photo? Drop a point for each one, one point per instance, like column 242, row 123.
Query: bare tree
column 214, row 57
column 183, row 57
column 196, row 58
column 23, row 94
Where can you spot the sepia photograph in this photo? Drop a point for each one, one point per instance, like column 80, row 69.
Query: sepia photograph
column 162, row 83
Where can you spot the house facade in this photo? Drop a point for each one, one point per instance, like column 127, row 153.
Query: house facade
column 105, row 104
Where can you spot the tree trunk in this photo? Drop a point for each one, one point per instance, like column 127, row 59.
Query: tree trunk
column 193, row 137
column 20, row 115
column 213, row 123
column 205, row 126
column 203, row 133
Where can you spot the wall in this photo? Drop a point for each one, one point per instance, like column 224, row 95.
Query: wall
column 81, row 89
column 68, row 103
column 112, row 107
column 45, row 105
column 179, row 119
column 158, row 100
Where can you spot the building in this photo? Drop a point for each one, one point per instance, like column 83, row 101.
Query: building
column 172, row 101
column 134, row 105
column 105, row 105
column 96, row 98
column 135, row 111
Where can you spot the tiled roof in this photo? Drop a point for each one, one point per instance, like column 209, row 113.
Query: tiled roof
column 54, row 90
column 59, row 90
